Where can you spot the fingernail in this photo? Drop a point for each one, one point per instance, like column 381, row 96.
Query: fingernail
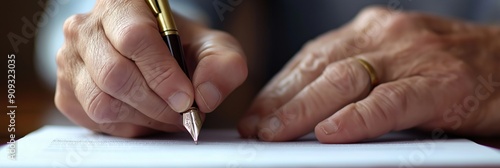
column 210, row 95
column 274, row 124
column 329, row 127
column 265, row 134
column 179, row 101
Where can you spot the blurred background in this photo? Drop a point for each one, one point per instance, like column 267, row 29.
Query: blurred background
column 271, row 32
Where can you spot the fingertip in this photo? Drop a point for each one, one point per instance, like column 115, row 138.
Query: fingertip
column 339, row 137
column 342, row 127
column 328, row 132
column 351, row 124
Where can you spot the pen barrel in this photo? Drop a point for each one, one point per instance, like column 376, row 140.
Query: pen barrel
column 174, row 44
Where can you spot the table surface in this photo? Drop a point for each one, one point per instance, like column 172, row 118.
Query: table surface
column 491, row 142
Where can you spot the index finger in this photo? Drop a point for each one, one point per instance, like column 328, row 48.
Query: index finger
column 297, row 74
column 341, row 83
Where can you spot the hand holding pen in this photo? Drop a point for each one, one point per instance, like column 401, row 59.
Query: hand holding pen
column 116, row 75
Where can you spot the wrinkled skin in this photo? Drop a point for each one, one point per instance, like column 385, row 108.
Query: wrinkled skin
column 116, row 75
column 434, row 73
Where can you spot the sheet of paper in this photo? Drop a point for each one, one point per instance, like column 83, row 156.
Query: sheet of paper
column 58, row 146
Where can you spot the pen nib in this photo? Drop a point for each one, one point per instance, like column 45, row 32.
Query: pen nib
column 192, row 122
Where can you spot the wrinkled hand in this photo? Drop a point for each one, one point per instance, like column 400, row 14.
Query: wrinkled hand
column 434, row 73
column 116, row 75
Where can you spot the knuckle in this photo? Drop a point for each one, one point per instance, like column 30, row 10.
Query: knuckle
column 72, row 25
column 68, row 65
column 362, row 115
column 391, row 102
column 398, row 21
column 134, row 39
column 371, row 119
column 372, row 22
column 374, row 11
column 299, row 112
column 65, row 57
column 114, row 77
column 162, row 73
column 341, row 78
column 392, row 97
column 99, row 111
column 120, row 110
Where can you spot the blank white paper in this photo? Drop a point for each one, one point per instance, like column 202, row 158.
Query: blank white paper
column 63, row 146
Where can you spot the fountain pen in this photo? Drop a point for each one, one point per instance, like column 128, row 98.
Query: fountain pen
column 161, row 9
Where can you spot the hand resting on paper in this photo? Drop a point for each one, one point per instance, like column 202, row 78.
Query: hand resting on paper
column 428, row 72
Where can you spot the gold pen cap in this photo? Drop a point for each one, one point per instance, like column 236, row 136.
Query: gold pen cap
column 161, row 9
